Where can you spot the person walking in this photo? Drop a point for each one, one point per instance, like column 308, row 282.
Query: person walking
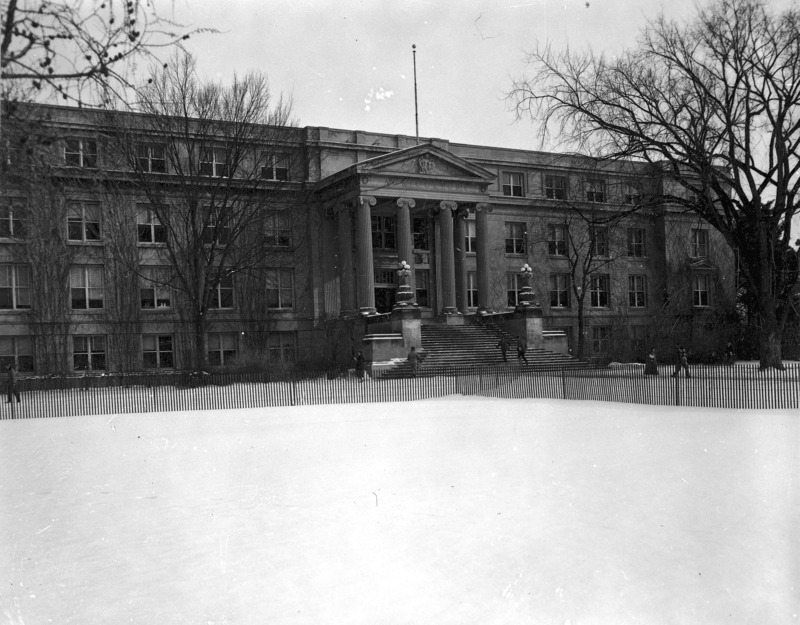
column 503, row 345
column 651, row 366
column 358, row 361
column 730, row 355
column 13, row 383
column 521, row 349
column 683, row 363
column 413, row 358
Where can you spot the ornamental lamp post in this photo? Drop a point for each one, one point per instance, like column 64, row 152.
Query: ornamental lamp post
column 405, row 296
column 526, row 296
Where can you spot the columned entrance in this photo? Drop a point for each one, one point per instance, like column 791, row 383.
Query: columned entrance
column 409, row 206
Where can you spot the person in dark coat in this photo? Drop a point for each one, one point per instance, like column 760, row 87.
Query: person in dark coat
column 521, row 349
column 730, row 355
column 358, row 361
column 13, row 383
column 503, row 345
column 413, row 359
column 651, row 366
column 683, row 363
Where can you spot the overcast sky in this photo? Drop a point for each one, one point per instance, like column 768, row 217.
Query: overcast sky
column 349, row 64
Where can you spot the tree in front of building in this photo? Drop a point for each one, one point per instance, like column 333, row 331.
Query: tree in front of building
column 210, row 165
column 715, row 104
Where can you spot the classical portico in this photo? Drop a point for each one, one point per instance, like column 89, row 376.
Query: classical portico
column 409, row 205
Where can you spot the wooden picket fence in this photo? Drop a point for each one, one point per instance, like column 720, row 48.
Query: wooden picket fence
column 710, row 386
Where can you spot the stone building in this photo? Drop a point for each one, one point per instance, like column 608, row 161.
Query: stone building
column 616, row 264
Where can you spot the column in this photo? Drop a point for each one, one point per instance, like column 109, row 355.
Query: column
column 482, row 235
column 366, row 265
column 460, row 260
column 405, row 238
column 344, row 234
column 446, row 209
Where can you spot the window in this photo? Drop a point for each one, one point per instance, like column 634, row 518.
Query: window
column 699, row 243
column 636, row 242
column 80, row 153
column 470, row 236
column 83, row 222
column 513, row 289
column 151, row 158
column 512, row 184
column 601, row 337
column 89, row 353
column 279, row 229
column 595, row 191
column 421, row 232
column 383, row 232
column 155, row 292
column 631, row 195
column 86, row 287
column 15, row 287
column 472, row 289
column 282, row 346
column 280, row 288
column 555, row 187
column 222, row 295
column 515, row 237
column 11, row 211
column 17, row 350
column 213, row 162
column 221, row 348
column 157, row 351
column 598, row 291
column 559, row 290
column 422, row 286
column 149, row 228
column 599, row 241
column 637, row 291
column 276, row 167
column 700, row 290
column 556, row 240
column 638, row 337
column 215, row 227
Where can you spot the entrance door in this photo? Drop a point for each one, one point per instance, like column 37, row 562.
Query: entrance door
column 385, row 290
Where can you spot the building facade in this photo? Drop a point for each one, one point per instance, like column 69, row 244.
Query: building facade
column 87, row 280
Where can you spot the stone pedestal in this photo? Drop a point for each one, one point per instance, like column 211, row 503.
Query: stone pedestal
column 532, row 318
column 408, row 322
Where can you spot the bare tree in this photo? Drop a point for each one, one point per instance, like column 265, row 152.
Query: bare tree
column 716, row 104
column 65, row 46
column 589, row 242
column 211, row 163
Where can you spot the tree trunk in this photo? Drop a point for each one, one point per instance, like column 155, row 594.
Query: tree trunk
column 770, row 343
column 200, row 343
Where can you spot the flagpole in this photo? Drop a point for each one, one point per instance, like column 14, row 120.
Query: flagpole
column 416, row 109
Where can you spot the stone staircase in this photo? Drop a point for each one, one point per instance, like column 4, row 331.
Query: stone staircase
column 447, row 348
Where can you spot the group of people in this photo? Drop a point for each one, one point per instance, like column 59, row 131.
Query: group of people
column 650, row 368
column 12, row 383
column 521, row 345
column 651, row 365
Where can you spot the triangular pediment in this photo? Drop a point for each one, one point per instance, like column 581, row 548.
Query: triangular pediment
column 424, row 160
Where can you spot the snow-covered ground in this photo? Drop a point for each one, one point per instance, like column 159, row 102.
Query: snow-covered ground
column 453, row 510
